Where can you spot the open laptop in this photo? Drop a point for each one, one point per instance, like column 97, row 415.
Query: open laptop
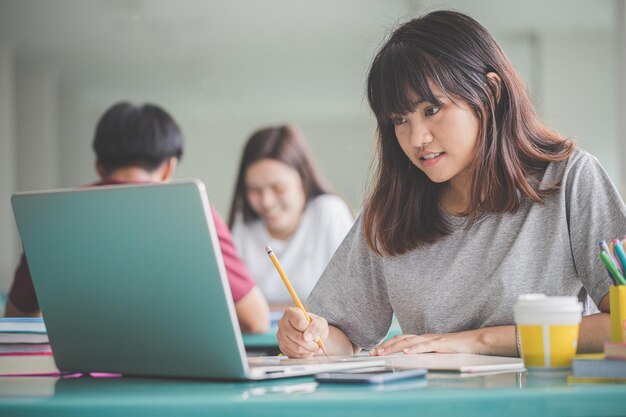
column 131, row 280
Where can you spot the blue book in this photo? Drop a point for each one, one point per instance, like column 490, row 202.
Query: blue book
column 23, row 330
column 274, row 317
column 22, row 325
column 597, row 366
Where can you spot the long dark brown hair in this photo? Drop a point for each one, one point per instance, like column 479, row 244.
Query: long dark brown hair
column 284, row 144
column 455, row 53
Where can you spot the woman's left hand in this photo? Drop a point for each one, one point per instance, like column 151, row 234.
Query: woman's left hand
column 462, row 342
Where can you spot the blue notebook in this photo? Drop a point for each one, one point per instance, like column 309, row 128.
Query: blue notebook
column 22, row 330
column 22, row 325
column 596, row 366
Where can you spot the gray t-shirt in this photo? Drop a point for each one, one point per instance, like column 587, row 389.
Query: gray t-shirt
column 471, row 278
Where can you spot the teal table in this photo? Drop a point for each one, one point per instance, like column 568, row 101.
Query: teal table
column 511, row 394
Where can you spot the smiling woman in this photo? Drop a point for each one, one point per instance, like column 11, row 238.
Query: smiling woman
column 275, row 192
column 282, row 200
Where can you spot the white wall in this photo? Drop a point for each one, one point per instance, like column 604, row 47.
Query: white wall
column 37, row 128
column 8, row 234
column 578, row 93
column 77, row 121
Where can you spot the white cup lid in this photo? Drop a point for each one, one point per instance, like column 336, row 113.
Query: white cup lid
column 543, row 302
column 539, row 308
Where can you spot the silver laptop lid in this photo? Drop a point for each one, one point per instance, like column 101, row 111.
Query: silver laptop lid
column 131, row 280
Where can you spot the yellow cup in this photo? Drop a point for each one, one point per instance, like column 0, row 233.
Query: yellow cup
column 617, row 295
column 548, row 329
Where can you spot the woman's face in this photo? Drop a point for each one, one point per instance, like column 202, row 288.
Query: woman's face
column 439, row 140
column 274, row 191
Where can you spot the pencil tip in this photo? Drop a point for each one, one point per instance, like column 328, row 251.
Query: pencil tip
column 268, row 249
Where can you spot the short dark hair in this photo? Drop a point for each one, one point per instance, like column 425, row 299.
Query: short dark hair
column 131, row 135
column 455, row 53
column 284, row 144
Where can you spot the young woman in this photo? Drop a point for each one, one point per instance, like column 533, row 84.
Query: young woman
column 281, row 200
column 474, row 203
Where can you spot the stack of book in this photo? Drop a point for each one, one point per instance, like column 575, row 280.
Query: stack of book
column 24, row 348
column 607, row 367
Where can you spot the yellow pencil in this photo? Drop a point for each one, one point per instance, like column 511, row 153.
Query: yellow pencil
column 295, row 297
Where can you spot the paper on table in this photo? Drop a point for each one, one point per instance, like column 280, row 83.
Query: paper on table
column 459, row 362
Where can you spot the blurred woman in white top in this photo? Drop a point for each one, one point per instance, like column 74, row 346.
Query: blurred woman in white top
column 281, row 200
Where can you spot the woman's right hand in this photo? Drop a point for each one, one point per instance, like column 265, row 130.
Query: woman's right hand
column 297, row 338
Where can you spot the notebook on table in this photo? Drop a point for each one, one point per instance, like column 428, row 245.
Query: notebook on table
column 130, row 280
column 465, row 363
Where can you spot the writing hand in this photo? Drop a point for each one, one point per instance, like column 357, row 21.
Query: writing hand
column 297, row 338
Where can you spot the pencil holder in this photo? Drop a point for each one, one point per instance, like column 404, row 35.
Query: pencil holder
column 617, row 295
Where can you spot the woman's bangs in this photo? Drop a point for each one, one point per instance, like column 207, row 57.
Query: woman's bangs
column 401, row 79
